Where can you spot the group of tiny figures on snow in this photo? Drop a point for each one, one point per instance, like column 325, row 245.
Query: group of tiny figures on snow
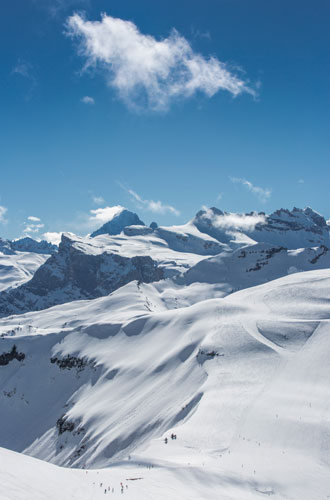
column 173, row 436
column 112, row 490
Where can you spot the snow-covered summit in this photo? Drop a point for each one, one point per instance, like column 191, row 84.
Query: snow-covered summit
column 296, row 228
column 28, row 244
column 119, row 221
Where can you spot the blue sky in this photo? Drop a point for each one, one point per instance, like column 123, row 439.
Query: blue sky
column 231, row 109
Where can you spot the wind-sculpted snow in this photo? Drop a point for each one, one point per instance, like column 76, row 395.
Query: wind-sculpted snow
column 241, row 381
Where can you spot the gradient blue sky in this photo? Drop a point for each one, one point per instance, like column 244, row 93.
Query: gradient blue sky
column 61, row 157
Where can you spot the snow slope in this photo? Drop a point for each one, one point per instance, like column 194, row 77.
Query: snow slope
column 18, row 267
column 241, row 380
column 163, row 344
column 256, row 264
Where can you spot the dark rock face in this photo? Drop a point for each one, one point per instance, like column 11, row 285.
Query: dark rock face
column 116, row 225
column 323, row 252
column 7, row 357
column 63, row 424
column 69, row 362
column 74, row 274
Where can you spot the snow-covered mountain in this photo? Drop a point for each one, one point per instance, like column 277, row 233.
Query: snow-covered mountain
column 191, row 359
column 256, row 264
column 28, row 244
column 85, row 268
column 20, row 259
column 298, row 228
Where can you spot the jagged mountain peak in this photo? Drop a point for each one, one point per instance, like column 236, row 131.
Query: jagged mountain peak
column 307, row 215
column 28, row 244
column 296, row 228
column 118, row 222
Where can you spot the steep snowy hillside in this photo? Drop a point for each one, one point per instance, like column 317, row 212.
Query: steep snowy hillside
column 18, row 267
column 241, row 381
column 256, row 264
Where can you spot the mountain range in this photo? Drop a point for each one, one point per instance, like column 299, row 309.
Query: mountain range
column 182, row 362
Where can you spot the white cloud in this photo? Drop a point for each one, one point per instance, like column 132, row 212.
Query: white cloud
column 156, row 207
column 102, row 215
column 52, row 237
column 235, row 222
column 33, row 228
column 145, row 70
column 3, row 211
column 262, row 193
column 33, row 225
column 87, row 100
column 98, row 200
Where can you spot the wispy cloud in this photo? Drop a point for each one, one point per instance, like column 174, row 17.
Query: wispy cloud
column 56, row 8
column 87, row 100
column 32, row 225
column 98, row 200
column 263, row 194
column 196, row 33
column 33, row 228
column 102, row 215
column 3, row 211
column 146, row 72
column 157, row 207
column 25, row 70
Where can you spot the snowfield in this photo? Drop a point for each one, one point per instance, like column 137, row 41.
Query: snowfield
column 209, row 383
